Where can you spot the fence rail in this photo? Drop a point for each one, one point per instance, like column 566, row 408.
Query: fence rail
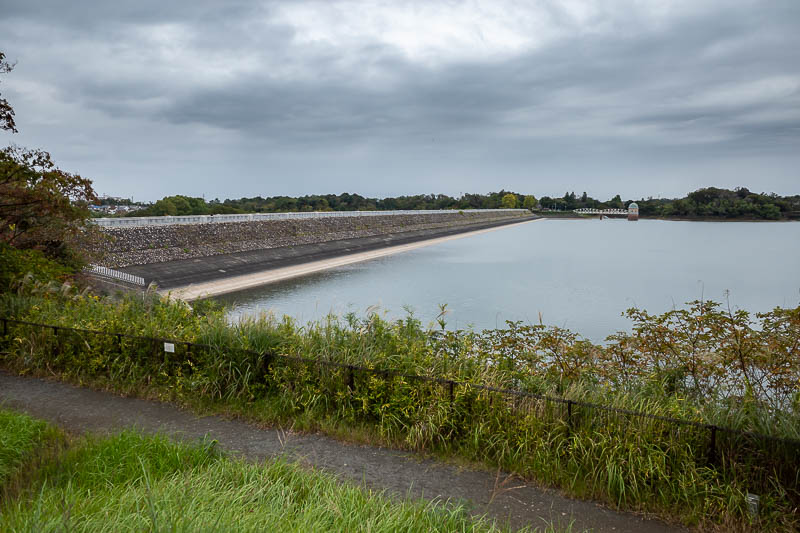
column 131, row 222
column 115, row 274
column 451, row 385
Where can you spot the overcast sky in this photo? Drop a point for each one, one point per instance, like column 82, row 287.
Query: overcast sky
column 230, row 99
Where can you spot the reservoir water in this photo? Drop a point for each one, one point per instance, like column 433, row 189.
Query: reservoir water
column 579, row 274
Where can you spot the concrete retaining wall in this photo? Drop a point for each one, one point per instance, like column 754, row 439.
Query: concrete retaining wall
column 161, row 243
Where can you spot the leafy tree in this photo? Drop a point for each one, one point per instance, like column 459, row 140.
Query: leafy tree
column 570, row 201
column 41, row 205
column 529, row 202
column 161, row 208
column 509, row 201
column 705, row 196
column 16, row 264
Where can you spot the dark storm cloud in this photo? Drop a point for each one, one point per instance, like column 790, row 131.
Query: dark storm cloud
column 723, row 81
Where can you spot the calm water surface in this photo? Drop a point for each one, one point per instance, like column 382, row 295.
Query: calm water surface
column 579, row 274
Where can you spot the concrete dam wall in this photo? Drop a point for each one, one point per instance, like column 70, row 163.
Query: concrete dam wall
column 181, row 254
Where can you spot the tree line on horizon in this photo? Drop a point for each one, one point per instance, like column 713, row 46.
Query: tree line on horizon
column 706, row 202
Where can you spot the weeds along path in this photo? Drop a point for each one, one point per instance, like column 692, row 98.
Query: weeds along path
column 502, row 497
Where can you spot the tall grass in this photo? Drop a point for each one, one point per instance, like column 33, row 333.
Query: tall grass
column 630, row 462
column 132, row 483
column 21, row 439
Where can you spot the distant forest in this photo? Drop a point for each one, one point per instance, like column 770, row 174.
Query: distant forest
column 702, row 203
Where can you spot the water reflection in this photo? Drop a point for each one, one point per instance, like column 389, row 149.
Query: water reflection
column 579, row 274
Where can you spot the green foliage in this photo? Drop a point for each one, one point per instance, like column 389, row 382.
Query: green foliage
column 703, row 203
column 704, row 364
column 132, row 483
column 709, row 202
column 42, row 205
column 182, row 205
column 20, row 438
column 723, row 203
column 509, row 201
column 529, row 202
column 15, row 264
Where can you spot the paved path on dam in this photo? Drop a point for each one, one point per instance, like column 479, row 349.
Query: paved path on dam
column 505, row 498
column 181, row 273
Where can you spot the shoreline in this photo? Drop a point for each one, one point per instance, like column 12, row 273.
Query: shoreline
column 231, row 284
column 718, row 219
column 672, row 219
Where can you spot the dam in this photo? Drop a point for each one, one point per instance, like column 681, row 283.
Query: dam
column 196, row 256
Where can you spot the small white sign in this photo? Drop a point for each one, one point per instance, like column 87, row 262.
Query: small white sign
column 169, row 347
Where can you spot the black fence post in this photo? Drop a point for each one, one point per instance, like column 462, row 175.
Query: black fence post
column 56, row 347
column 569, row 416
column 266, row 364
column 712, row 446
column 452, row 386
column 351, row 379
column 189, row 353
column 5, row 327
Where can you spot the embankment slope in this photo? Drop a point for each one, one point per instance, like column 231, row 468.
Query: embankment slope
column 177, row 256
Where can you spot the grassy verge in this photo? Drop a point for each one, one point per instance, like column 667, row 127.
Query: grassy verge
column 24, row 443
column 129, row 482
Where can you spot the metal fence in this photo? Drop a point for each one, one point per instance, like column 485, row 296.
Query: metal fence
column 130, row 222
column 115, row 274
column 762, row 458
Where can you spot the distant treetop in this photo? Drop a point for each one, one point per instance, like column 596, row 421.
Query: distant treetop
column 706, row 202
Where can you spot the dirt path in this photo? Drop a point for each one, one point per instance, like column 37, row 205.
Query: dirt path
column 520, row 504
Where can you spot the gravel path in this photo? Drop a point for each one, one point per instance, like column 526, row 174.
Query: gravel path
column 501, row 497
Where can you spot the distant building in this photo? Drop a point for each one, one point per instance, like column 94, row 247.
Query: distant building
column 633, row 211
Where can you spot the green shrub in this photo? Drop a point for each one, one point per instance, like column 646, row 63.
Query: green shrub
column 15, row 264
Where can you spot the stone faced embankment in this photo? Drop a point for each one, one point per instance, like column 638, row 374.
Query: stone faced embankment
column 182, row 255
column 158, row 244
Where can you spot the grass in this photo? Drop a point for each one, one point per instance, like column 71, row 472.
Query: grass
column 642, row 465
column 23, row 441
column 130, row 482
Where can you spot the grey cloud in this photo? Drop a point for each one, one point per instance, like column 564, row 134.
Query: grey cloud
column 634, row 94
column 632, row 77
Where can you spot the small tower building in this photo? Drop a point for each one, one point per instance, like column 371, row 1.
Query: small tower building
column 633, row 211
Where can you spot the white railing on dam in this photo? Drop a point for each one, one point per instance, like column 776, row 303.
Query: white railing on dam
column 115, row 274
column 130, row 222
column 589, row 211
